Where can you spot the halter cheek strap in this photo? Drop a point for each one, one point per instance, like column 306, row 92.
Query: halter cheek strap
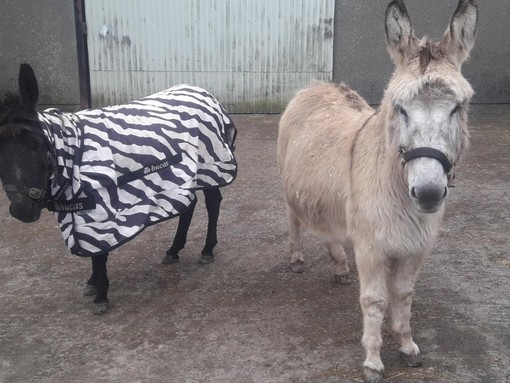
column 438, row 155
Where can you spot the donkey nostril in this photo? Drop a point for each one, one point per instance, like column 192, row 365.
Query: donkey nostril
column 428, row 198
column 428, row 194
column 445, row 194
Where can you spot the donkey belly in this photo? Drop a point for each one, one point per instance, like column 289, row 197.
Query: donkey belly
column 316, row 183
column 327, row 222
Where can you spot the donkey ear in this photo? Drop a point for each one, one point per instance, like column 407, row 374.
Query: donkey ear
column 459, row 38
column 28, row 88
column 402, row 43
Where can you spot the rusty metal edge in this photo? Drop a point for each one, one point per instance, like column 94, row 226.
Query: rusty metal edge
column 82, row 50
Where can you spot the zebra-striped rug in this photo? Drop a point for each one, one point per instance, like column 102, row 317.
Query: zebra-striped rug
column 120, row 169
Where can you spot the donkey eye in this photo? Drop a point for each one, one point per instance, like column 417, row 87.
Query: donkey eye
column 455, row 110
column 402, row 112
column 34, row 146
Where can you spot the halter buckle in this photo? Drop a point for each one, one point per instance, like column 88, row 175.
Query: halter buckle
column 35, row 193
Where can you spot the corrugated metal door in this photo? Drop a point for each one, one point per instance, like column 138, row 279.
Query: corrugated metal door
column 251, row 54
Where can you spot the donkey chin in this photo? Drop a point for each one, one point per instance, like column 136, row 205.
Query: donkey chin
column 428, row 207
column 428, row 185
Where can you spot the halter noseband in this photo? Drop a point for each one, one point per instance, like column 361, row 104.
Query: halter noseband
column 448, row 166
column 34, row 193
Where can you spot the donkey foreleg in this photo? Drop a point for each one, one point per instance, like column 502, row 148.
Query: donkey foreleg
column 374, row 302
column 339, row 258
column 98, row 284
column 181, row 235
column 297, row 263
column 213, row 200
column 401, row 288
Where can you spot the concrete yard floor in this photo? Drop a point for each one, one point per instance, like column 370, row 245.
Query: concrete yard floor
column 246, row 318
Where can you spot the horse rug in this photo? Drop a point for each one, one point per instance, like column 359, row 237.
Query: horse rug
column 120, row 169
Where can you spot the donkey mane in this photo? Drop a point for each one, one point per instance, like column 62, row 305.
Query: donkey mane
column 353, row 99
column 428, row 51
column 10, row 110
column 8, row 107
column 426, row 69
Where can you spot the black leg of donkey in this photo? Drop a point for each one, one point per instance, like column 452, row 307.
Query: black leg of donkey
column 172, row 254
column 98, row 284
column 213, row 200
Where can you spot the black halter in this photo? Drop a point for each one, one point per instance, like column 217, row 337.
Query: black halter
column 448, row 166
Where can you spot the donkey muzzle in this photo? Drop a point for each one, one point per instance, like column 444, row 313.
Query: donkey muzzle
column 26, row 213
column 427, row 182
column 429, row 197
column 26, row 202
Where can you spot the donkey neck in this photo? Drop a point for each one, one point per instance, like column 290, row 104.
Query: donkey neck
column 375, row 159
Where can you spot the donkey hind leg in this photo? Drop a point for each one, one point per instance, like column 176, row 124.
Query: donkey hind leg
column 339, row 258
column 297, row 262
column 98, row 284
column 401, row 288
column 172, row 254
column 374, row 303
column 212, row 202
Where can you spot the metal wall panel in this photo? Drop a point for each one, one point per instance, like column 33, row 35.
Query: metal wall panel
column 251, row 54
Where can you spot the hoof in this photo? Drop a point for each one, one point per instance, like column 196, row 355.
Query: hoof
column 411, row 360
column 100, row 308
column 170, row 259
column 205, row 259
column 372, row 376
column 297, row 267
column 89, row 290
column 343, row 279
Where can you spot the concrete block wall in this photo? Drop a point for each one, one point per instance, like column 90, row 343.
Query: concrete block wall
column 41, row 33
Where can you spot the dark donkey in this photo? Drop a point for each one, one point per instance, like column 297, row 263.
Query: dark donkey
column 109, row 173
